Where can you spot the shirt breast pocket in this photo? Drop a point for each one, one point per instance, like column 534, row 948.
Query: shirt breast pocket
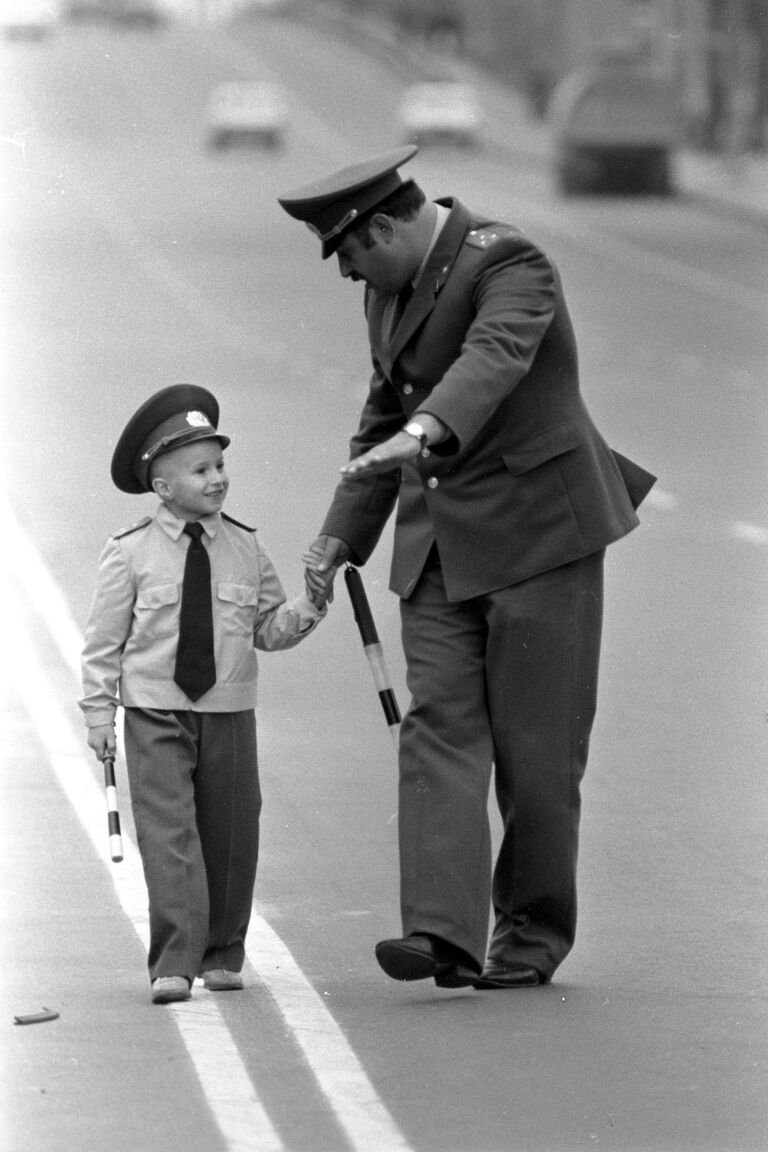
column 156, row 610
column 237, row 607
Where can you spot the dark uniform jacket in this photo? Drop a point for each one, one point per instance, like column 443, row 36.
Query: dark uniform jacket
column 525, row 483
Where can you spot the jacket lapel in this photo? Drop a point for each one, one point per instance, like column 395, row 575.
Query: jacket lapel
column 425, row 294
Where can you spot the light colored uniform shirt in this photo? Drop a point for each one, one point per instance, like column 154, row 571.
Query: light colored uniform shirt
column 133, row 626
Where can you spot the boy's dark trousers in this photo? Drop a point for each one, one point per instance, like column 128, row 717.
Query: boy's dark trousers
column 196, row 802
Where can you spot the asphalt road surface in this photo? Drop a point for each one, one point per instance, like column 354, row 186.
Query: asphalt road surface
column 133, row 258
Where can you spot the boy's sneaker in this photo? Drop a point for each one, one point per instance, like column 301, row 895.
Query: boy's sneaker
column 221, row 980
column 168, row 988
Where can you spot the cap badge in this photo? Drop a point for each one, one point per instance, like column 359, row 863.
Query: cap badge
column 198, row 420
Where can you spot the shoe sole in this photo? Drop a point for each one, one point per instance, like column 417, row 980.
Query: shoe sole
column 221, row 986
column 400, row 963
column 170, row 997
column 491, row 985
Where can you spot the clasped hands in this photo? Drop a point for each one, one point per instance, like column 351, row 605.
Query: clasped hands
column 322, row 559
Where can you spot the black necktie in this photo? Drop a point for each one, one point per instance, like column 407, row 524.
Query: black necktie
column 195, row 664
column 401, row 304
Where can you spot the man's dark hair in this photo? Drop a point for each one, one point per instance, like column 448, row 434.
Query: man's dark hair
column 404, row 203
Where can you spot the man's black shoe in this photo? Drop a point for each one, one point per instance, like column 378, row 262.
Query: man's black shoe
column 508, row 976
column 420, row 957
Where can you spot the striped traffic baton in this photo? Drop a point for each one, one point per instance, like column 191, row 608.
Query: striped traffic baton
column 373, row 650
column 113, row 816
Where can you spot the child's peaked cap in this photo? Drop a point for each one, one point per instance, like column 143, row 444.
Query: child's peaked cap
column 177, row 415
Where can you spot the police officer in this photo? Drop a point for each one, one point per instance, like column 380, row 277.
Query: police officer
column 506, row 497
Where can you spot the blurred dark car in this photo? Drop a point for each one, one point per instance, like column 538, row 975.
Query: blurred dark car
column 614, row 129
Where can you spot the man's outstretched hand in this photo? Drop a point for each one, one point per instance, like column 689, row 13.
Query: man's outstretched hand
column 384, row 457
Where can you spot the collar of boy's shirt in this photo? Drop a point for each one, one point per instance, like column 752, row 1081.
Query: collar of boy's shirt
column 174, row 527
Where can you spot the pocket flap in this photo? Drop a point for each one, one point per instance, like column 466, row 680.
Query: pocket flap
column 544, row 447
column 157, row 596
column 244, row 595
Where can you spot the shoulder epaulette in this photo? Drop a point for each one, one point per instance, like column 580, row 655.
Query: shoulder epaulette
column 484, row 237
column 133, row 528
column 237, row 524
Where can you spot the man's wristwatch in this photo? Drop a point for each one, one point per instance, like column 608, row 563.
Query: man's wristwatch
column 413, row 428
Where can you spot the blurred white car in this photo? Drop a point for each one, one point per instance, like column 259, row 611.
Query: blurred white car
column 26, row 19
column 247, row 112
column 441, row 111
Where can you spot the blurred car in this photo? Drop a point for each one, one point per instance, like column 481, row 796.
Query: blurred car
column 441, row 112
column 247, row 112
column 26, row 19
column 613, row 129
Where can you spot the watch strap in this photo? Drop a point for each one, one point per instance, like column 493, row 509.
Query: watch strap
column 413, row 428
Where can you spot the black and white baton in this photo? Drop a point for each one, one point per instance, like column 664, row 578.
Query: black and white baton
column 113, row 816
column 373, row 650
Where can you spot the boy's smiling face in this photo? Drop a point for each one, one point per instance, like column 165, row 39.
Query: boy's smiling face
column 191, row 480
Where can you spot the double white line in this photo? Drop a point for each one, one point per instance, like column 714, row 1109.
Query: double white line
column 228, row 1089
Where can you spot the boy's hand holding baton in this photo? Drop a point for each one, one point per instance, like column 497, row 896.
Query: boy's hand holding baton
column 101, row 738
column 113, row 815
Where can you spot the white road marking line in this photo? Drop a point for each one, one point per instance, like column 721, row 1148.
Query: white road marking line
column 337, row 1070
column 42, row 590
column 359, row 1110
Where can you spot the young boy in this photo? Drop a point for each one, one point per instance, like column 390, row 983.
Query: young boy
column 181, row 600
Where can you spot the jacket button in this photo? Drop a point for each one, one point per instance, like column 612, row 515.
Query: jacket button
column 433, row 482
column 407, row 388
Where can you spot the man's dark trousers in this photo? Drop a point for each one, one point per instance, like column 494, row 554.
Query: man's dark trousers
column 505, row 680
